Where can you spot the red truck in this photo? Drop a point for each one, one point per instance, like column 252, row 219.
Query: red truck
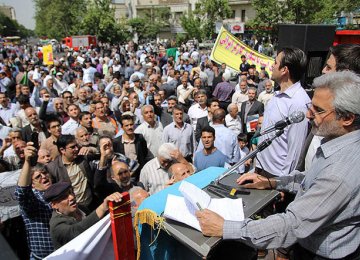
column 347, row 36
column 80, row 42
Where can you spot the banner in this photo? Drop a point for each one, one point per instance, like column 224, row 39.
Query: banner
column 9, row 206
column 228, row 49
column 94, row 243
column 48, row 56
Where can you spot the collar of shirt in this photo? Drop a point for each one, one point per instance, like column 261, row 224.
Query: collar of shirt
column 149, row 126
column 183, row 127
column 291, row 91
column 7, row 107
column 334, row 145
column 127, row 141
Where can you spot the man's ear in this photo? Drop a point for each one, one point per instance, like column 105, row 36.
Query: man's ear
column 53, row 205
column 348, row 120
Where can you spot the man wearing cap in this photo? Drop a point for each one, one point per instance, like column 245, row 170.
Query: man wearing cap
column 68, row 221
column 60, row 82
column 35, row 211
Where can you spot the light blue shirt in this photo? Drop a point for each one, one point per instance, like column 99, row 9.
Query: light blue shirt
column 226, row 142
column 282, row 156
column 182, row 137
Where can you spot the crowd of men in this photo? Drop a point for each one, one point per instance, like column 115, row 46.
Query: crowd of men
column 106, row 120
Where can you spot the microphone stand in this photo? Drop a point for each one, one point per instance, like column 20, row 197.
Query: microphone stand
column 264, row 144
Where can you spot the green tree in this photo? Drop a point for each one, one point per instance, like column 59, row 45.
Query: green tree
column 271, row 12
column 150, row 22
column 9, row 27
column 193, row 26
column 58, row 18
column 201, row 23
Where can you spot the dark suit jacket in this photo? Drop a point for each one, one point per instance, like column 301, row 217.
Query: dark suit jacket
column 105, row 187
column 58, row 173
column 26, row 132
column 256, row 108
column 64, row 228
column 140, row 148
column 200, row 124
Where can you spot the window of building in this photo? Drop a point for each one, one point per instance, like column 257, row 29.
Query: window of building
column 243, row 16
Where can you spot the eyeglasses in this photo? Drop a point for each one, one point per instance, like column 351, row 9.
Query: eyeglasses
column 37, row 177
column 318, row 111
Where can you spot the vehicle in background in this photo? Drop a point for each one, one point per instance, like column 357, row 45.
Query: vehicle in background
column 80, row 42
column 11, row 40
column 347, row 36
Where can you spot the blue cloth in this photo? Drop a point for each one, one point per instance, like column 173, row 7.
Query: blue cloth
column 164, row 247
column 203, row 161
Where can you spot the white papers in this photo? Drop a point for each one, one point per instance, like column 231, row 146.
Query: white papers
column 183, row 209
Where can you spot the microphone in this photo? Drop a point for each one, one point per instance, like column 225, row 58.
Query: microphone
column 295, row 117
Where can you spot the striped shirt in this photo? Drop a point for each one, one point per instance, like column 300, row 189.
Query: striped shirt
column 324, row 218
column 153, row 176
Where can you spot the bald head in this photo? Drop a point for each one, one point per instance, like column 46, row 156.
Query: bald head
column 44, row 156
column 179, row 171
column 137, row 195
column 121, row 174
column 32, row 116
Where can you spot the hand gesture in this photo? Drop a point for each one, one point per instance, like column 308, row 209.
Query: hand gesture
column 177, row 155
column 46, row 97
column 6, row 143
column 117, row 197
column 105, row 150
column 30, row 151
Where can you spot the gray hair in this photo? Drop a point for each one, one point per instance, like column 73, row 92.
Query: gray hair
column 231, row 105
column 165, row 150
column 146, row 106
column 252, row 88
column 345, row 86
column 133, row 190
column 15, row 130
column 77, row 130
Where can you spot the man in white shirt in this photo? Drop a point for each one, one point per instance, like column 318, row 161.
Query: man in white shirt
column 239, row 97
column 151, row 130
column 199, row 109
column 7, row 109
column 232, row 119
column 73, row 123
column 267, row 94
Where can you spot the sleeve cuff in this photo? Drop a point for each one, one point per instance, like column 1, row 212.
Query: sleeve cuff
column 232, row 229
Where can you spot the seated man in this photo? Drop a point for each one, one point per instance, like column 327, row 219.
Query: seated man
column 36, row 213
column 68, row 221
column 179, row 172
column 155, row 174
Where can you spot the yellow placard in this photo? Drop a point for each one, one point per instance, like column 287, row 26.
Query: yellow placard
column 48, row 56
column 228, row 49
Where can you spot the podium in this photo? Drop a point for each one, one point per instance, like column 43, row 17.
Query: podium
column 202, row 245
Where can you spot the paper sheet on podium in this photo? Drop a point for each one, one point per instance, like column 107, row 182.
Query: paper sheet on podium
column 183, row 209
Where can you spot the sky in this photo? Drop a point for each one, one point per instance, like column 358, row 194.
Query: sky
column 24, row 10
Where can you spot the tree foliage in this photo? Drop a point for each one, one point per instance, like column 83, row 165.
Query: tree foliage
column 9, row 27
column 151, row 22
column 201, row 23
column 271, row 12
column 58, row 18
column 192, row 25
